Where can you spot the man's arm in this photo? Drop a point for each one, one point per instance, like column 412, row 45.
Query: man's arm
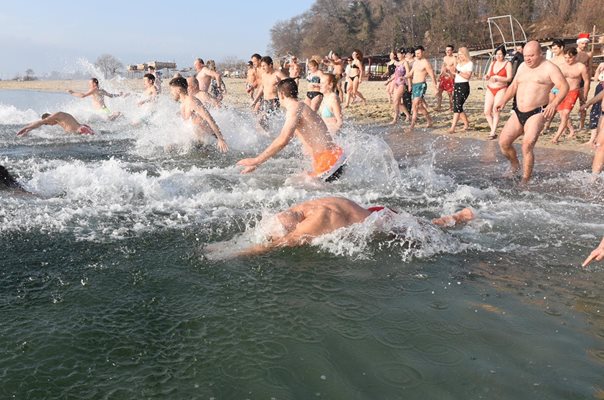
column 259, row 94
column 201, row 111
column 586, row 83
column 597, row 254
column 510, row 92
column 287, row 132
column 35, row 125
column 430, row 72
column 593, row 100
column 79, row 94
column 561, row 84
column 305, row 231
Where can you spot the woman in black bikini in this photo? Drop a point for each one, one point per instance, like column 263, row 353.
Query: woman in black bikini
column 355, row 78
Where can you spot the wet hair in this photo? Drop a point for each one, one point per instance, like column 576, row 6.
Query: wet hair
column 199, row 60
column 314, row 63
column 95, row 81
column 571, row 51
column 420, row 47
column 288, row 88
column 267, row 60
column 151, row 77
column 45, row 115
column 502, row 48
column 451, row 46
column 256, row 56
column 7, row 180
column 179, row 82
column 558, row 42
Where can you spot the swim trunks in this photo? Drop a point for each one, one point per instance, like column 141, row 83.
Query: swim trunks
column 524, row 116
column 446, row 83
column 419, row 90
column 329, row 165
column 569, row 101
column 311, row 95
column 270, row 106
column 85, row 130
column 379, row 208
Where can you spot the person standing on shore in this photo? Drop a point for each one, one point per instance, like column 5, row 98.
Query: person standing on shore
column 574, row 72
column 357, row 72
column 585, row 57
column 419, row 72
column 313, row 95
column 400, row 82
column 498, row 79
column 294, row 69
column 535, row 79
column 598, row 161
column 390, row 68
column 446, row 80
column 464, row 69
column 557, row 49
column 596, row 110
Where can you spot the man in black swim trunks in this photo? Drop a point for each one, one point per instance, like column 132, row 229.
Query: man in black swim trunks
column 533, row 82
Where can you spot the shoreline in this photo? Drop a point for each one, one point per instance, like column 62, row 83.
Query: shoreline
column 376, row 113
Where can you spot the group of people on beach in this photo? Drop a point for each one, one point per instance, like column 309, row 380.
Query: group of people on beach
column 539, row 88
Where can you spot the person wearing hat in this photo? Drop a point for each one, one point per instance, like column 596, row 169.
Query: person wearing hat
column 584, row 57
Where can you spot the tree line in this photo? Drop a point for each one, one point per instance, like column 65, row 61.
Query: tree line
column 378, row 26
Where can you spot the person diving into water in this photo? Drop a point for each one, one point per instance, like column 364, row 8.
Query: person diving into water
column 63, row 119
column 303, row 222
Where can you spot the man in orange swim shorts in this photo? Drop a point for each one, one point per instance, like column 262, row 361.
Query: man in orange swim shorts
column 328, row 159
column 574, row 72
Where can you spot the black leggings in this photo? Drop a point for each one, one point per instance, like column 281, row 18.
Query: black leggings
column 460, row 95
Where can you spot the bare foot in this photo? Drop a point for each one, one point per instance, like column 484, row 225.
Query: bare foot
column 513, row 171
column 465, row 128
column 493, row 136
column 393, row 122
column 555, row 141
column 451, row 130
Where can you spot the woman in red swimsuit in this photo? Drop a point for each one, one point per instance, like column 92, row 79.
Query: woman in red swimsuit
column 498, row 79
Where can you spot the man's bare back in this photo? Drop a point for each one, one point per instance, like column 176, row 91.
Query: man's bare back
column 63, row 119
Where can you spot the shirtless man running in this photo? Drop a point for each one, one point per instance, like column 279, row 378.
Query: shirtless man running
column 337, row 64
column 420, row 70
column 303, row 222
column 150, row 92
column 446, row 79
column 534, row 80
column 204, row 77
column 574, row 72
column 294, row 69
column 327, row 158
column 98, row 97
column 63, row 119
column 267, row 92
column 193, row 109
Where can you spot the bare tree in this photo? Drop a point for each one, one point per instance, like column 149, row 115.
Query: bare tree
column 29, row 75
column 108, row 65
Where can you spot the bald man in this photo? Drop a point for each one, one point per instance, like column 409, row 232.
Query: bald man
column 535, row 79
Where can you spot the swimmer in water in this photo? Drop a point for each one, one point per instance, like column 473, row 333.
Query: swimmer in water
column 98, row 98
column 303, row 222
column 597, row 254
column 328, row 159
column 63, row 119
column 192, row 108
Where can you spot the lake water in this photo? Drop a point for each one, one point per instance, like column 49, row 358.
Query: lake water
column 107, row 289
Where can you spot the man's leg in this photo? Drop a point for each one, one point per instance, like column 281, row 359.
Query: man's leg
column 598, row 162
column 416, row 104
column 564, row 114
column 532, row 129
column 510, row 132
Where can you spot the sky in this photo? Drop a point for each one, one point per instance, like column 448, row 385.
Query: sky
column 53, row 35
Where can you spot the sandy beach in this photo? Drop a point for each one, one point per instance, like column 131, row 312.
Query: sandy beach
column 376, row 112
